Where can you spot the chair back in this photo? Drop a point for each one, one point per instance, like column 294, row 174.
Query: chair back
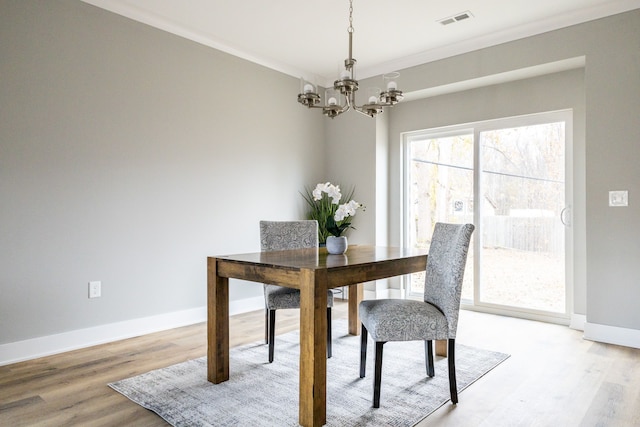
column 283, row 235
column 445, row 269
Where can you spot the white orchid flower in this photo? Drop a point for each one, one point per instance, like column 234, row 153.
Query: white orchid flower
column 353, row 206
column 320, row 188
column 334, row 192
column 341, row 213
column 346, row 210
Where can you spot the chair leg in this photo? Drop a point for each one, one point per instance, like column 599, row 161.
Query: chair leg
column 272, row 330
column 363, row 351
column 453, row 386
column 428, row 356
column 266, row 325
column 329, row 332
column 377, row 379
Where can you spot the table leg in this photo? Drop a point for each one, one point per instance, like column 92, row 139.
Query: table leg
column 217, row 324
column 356, row 293
column 313, row 348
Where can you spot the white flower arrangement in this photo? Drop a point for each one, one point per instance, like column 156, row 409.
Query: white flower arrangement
column 333, row 218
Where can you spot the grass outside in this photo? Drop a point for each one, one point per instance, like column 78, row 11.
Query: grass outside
column 510, row 277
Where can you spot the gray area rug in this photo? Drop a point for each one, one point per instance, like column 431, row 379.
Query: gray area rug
column 263, row 394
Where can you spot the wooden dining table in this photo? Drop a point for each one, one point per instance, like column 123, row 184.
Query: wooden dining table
column 312, row 271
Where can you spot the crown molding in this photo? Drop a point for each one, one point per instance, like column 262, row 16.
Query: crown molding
column 515, row 33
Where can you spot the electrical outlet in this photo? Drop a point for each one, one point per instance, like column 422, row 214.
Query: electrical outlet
column 95, row 289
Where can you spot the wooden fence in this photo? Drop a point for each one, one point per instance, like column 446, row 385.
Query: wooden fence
column 538, row 234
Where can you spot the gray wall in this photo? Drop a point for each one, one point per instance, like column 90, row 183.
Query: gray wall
column 353, row 164
column 128, row 155
column 613, row 154
column 609, row 245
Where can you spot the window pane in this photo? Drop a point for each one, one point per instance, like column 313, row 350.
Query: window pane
column 441, row 190
column 523, row 237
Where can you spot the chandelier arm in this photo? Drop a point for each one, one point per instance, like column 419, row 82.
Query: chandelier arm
column 333, row 112
column 364, row 113
column 351, row 99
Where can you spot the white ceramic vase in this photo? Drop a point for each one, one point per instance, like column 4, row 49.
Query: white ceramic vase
column 337, row 245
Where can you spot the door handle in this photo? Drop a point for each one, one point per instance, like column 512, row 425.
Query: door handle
column 565, row 216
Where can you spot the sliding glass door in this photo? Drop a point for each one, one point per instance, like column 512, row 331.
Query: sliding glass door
column 508, row 178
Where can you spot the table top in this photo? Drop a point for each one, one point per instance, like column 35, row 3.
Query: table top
column 318, row 258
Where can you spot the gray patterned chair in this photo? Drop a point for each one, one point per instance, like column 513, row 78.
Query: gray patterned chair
column 434, row 319
column 282, row 235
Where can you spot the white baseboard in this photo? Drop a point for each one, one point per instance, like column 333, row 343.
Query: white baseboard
column 246, row 305
column 612, row 335
column 80, row 338
column 578, row 321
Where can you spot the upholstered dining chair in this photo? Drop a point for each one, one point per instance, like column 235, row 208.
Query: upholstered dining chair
column 283, row 235
column 435, row 318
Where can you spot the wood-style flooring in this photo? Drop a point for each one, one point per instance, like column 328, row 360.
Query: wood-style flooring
column 553, row 378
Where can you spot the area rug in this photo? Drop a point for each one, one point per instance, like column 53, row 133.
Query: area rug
column 262, row 394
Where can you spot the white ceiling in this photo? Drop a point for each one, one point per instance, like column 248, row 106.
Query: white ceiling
column 309, row 37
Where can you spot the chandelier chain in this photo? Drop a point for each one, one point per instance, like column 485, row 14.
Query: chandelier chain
column 350, row 29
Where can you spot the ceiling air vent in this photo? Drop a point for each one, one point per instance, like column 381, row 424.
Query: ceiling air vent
column 456, row 18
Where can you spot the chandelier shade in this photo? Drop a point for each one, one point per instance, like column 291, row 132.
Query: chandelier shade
column 342, row 96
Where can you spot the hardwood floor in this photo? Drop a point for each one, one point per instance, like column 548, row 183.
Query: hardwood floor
column 553, row 377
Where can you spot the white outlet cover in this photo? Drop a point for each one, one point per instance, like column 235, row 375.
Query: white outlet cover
column 95, row 289
column 618, row 198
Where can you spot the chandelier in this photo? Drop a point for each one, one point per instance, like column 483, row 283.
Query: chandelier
column 342, row 96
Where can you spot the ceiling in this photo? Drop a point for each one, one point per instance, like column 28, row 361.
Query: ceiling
column 309, row 37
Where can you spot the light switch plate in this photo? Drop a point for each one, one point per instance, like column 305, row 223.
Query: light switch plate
column 618, row 198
